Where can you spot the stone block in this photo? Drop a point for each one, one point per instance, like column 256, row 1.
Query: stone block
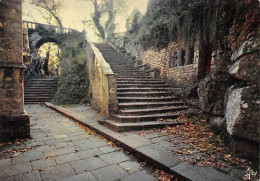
column 242, row 112
column 112, row 172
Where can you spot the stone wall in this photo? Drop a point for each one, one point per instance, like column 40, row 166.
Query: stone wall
column 103, row 84
column 14, row 122
column 177, row 75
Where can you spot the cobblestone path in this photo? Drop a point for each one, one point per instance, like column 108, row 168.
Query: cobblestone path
column 64, row 151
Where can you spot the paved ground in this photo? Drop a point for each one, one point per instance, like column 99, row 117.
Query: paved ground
column 155, row 148
column 61, row 150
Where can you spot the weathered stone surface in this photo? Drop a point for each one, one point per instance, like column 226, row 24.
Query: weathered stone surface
column 139, row 176
column 211, row 92
column 114, row 157
column 242, row 112
column 250, row 45
column 27, row 157
column 29, row 176
column 103, row 82
column 67, row 158
column 196, row 173
column 13, row 121
column 57, row 172
column 89, row 164
column 247, row 68
column 15, row 169
column 112, row 172
column 159, row 154
column 41, row 164
column 190, row 94
column 135, row 167
column 217, row 123
column 81, row 177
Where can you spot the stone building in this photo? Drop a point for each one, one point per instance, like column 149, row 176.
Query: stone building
column 14, row 122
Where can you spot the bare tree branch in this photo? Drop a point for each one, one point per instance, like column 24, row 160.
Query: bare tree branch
column 52, row 7
column 109, row 7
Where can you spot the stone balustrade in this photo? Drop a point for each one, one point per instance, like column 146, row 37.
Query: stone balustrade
column 33, row 25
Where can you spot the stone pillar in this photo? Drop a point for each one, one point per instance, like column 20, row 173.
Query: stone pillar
column 14, row 123
column 179, row 57
column 187, row 57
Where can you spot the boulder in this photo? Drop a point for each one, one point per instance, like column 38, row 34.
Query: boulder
column 245, row 60
column 211, row 92
column 242, row 112
column 217, row 124
column 190, row 94
column 250, row 45
column 247, row 68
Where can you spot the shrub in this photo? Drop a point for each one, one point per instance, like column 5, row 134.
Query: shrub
column 73, row 81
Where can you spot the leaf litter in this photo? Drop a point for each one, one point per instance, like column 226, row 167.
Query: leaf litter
column 198, row 145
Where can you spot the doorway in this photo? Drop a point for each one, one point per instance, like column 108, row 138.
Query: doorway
column 204, row 64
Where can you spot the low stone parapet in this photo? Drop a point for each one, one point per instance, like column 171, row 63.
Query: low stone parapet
column 103, row 83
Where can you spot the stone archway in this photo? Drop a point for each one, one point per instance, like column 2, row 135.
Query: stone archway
column 36, row 41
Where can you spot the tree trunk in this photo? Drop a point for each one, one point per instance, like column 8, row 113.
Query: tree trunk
column 58, row 21
column 96, row 19
column 110, row 25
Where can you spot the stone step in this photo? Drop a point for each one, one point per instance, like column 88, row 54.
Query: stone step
column 122, row 74
column 136, row 82
column 33, row 102
column 142, row 99
column 122, row 67
column 132, row 112
column 143, row 105
column 133, row 77
column 40, row 90
column 136, row 79
column 28, row 90
column 126, row 69
column 146, row 99
column 144, row 94
column 144, row 118
column 39, row 94
column 41, row 87
column 120, row 127
column 120, row 64
column 42, row 80
column 142, row 86
column 37, row 98
column 142, row 89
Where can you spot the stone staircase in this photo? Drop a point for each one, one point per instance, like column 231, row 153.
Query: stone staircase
column 39, row 90
column 144, row 102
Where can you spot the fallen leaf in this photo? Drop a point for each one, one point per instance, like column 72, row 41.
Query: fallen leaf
column 127, row 169
column 228, row 156
column 16, row 154
column 85, row 170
